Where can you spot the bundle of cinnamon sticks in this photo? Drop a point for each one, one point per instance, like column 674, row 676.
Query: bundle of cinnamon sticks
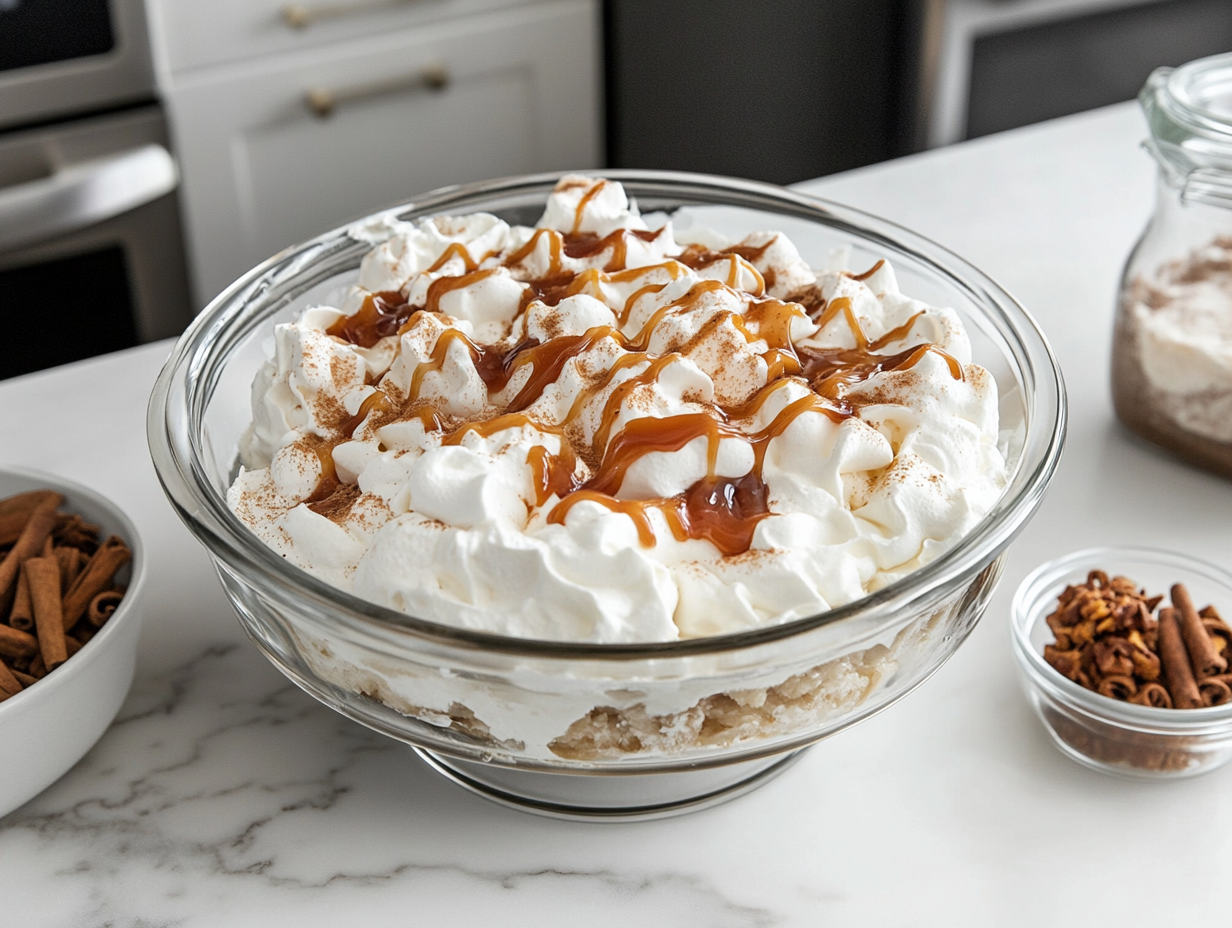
column 1108, row 640
column 57, row 586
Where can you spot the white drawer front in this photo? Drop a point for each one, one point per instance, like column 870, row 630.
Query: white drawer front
column 196, row 33
column 261, row 171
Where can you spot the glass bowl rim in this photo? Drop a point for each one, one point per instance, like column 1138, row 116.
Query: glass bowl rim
column 1026, row 611
column 177, row 460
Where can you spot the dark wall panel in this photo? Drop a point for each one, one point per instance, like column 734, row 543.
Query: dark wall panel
column 777, row 90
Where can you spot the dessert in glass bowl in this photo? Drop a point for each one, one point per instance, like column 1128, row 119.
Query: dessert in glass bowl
column 543, row 482
column 591, row 430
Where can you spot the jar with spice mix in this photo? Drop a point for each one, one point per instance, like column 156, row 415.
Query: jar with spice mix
column 1172, row 344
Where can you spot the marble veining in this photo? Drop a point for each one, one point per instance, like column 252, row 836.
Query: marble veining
column 221, row 790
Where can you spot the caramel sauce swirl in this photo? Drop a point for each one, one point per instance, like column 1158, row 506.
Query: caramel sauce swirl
column 379, row 316
column 724, row 511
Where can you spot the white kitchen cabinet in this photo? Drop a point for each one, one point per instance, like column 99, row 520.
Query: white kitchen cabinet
column 261, row 171
column 198, row 33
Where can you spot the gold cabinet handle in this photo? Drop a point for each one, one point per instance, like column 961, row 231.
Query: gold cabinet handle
column 297, row 16
column 322, row 101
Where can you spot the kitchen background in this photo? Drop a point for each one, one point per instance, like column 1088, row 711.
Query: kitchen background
column 153, row 150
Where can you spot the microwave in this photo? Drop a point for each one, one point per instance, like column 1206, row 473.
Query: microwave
column 91, row 250
column 991, row 65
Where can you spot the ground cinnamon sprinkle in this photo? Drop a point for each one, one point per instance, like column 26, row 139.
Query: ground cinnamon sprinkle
column 57, row 586
column 1111, row 640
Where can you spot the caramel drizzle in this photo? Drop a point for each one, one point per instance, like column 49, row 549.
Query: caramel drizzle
column 870, row 272
column 736, row 263
column 548, row 360
column 556, row 245
column 724, row 511
column 436, row 360
column 376, row 402
column 635, row 509
column 580, row 210
column 842, row 304
column 455, row 250
column 380, row 315
column 611, row 408
column 328, row 483
column 671, row 265
column 443, row 285
column 697, row 257
column 831, row 372
column 552, row 474
column 587, row 245
column 773, row 319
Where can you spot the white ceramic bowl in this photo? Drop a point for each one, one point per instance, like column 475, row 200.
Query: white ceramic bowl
column 50, row 725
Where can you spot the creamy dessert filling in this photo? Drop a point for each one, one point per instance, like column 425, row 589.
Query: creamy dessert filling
column 596, row 431
column 1179, row 335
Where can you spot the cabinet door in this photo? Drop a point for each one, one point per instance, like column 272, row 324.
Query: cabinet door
column 261, row 171
column 192, row 34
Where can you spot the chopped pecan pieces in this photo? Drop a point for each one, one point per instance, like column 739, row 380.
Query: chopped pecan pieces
column 1108, row 640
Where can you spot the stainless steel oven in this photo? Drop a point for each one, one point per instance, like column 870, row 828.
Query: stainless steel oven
column 989, row 65
column 91, row 248
column 60, row 58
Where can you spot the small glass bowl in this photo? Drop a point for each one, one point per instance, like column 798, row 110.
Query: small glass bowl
column 1123, row 739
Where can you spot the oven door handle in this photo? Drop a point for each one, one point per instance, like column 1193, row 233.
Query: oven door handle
column 83, row 194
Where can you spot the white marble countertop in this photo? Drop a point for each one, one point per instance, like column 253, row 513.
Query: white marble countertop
column 222, row 795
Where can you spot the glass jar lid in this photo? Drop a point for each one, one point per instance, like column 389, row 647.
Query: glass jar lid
column 1189, row 113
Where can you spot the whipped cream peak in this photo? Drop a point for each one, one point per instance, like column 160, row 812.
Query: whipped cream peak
column 582, row 204
column 594, row 430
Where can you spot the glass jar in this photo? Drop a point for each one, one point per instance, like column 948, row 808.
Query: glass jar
column 1172, row 346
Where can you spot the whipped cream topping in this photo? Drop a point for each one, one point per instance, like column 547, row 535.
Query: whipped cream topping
column 595, row 431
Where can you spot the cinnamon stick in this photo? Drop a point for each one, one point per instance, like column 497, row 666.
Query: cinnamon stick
column 38, row 528
column 1204, row 659
column 9, row 684
column 25, row 503
column 102, row 606
column 24, row 678
column 1220, row 635
column 22, row 614
column 1120, row 687
column 1214, row 692
column 15, row 511
column 1224, row 678
column 74, row 531
column 71, row 562
column 15, row 643
column 95, row 578
column 1152, row 694
column 44, row 577
column 49, row 560
column 1178, row 675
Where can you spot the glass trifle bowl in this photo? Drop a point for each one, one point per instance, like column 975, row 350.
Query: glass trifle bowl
column 592, row 730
